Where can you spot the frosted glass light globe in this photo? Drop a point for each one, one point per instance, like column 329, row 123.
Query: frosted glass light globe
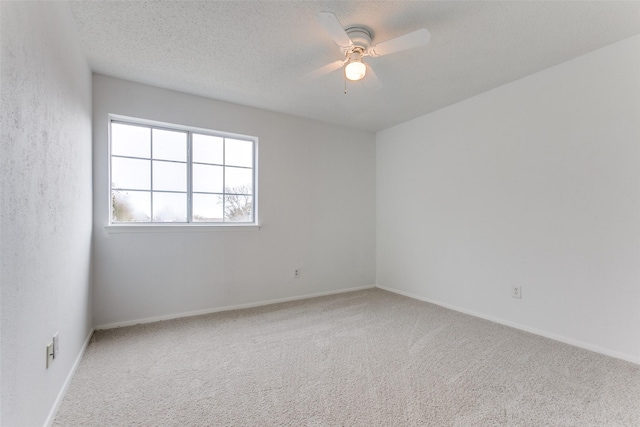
column 355, row 70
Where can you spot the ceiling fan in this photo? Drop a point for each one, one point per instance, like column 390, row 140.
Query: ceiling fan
column 355, row 43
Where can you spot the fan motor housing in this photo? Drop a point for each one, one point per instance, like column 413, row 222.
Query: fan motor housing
column 360, row 36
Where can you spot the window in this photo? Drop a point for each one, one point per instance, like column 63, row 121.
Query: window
column 163, row 173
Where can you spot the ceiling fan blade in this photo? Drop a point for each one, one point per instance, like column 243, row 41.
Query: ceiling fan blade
column 370, row 80
column 332, row 26
column 322, row 71
column 408, row 41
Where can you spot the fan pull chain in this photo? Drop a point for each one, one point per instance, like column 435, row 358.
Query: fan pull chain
column 345, row 85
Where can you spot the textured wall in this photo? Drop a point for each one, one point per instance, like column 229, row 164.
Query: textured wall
column 537, row 184
column 317, row 211
column 45, row 208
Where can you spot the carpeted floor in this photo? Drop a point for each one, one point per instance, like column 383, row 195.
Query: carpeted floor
column 367, row 358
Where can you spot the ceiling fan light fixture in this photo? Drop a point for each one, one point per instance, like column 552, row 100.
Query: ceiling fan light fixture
column 356, row 43
column 355, row 70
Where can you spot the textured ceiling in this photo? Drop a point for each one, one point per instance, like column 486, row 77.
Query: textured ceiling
column 255, row 52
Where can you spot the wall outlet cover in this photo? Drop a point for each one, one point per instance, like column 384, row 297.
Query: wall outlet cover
column 56, row 343
column 49, row 354
column 516, row 291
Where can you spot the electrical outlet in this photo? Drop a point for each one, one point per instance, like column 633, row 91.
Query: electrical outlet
column 296, row 273
column 56, row 348
column 49, row 354
column 516, row 291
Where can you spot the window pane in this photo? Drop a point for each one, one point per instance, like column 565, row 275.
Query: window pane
column 238, row 153
column 169, row 176
column 207, row 179
column 130, row 173
column 127, row 140
column 169, row 145
column 238, row 180
column 238, row 208
column 169, row 207
column 168, row 173
column 130, row 206
column 207, row 208
column 207, row 149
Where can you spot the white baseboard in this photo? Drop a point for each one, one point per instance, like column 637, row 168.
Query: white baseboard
column 65, row 386
column 555, row 337
column 227, row 308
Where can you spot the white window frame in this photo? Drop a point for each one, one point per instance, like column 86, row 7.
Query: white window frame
column 124, row 227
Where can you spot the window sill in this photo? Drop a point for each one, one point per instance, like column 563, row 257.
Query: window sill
column 177, row 228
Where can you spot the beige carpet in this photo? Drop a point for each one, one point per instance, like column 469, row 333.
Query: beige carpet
column 368, row 358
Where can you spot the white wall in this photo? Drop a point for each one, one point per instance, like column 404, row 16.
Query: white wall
column 536, row 183
column 317, row 210
column 45, row 227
